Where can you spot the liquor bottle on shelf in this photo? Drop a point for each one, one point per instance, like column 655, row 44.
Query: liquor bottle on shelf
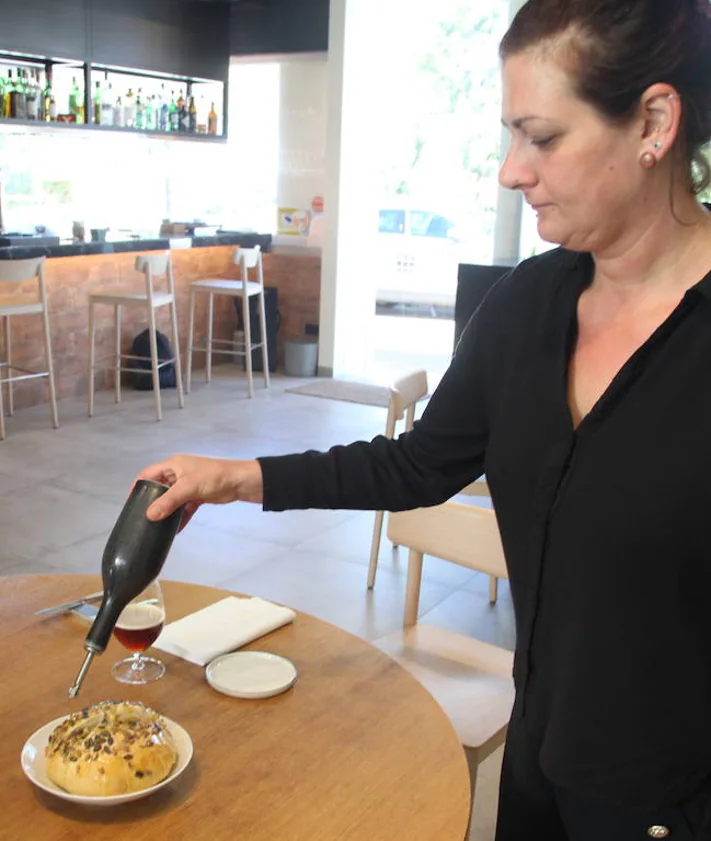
column 9, row 85
column 192, row 116
column 118, row 112
column 39, row 88
column 212, row 120
column 129, row 109
column 140, row 108
column 162, row 113
column 50, row 104
column 149, row 114
column 107, row 109
column 97, row 104
column 182, row 113
column 18, row 101
column 75, row 105
column 173, row 115
column 31, row 96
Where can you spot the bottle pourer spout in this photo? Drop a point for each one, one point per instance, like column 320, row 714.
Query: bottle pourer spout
column 74, row 691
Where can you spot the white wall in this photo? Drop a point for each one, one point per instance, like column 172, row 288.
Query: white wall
column 302, row 140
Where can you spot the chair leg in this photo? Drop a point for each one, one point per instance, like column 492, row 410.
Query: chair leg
column 473, row 761
column 412, row 588
column 3, row 372
column 263, row 328
column 375, row 548
column 176, row 345
column 154, row 362
column 8, row 361
column 90, row 378
column 493, row 589
column 117, row 353
column 210, row 315
column 247, row 344
column 191, row 327
column 50, row 368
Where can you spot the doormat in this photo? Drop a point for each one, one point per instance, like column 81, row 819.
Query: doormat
column 352, row 392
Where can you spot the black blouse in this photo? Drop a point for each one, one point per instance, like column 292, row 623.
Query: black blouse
column 605, row 527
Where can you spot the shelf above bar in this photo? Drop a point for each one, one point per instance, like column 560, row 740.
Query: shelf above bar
column 172, row 135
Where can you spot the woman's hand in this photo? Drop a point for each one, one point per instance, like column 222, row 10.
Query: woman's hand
column 194, row 480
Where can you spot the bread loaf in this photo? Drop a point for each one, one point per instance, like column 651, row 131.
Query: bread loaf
column 110, row 748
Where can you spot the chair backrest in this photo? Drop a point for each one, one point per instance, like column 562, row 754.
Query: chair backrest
column 18, row 271
column 250, row 258
column 463, row 534
column 404, row 395
column 154, row 266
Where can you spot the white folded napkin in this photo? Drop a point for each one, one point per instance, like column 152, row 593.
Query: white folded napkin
column 221, row 627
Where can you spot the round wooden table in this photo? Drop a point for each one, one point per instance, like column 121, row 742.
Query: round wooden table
column 357, row 749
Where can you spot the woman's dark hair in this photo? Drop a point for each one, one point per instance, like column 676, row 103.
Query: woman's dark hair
column 618, row 48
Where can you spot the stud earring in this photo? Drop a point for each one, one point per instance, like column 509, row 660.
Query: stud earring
column 647, row 160
column 658, row 145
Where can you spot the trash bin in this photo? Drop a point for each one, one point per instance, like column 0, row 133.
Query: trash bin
column 273, row 317
column 300, row 357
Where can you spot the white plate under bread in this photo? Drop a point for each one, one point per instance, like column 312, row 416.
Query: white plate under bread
column 34, row 765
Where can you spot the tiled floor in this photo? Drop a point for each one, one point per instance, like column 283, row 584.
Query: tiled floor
column 61, row 491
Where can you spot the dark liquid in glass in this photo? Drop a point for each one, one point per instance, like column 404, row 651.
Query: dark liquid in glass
column 139, row 626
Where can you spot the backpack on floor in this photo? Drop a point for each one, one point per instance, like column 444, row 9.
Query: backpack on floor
column 141, row 346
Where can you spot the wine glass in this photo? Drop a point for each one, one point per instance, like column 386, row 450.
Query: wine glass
column 137, row 628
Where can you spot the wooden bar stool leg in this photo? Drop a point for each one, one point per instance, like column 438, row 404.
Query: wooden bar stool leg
column 154, row 362
column 247, row 343
column 8, row 370
column 263, row 328
column 3, row 375
column 117, row 353
column 2, row 414
column 176, row 345
column 191, row 328
column 50, row 368
column 90, row 383
column 210, row 314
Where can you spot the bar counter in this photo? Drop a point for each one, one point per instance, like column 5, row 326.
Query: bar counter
column 84, row 249
column 72, row 271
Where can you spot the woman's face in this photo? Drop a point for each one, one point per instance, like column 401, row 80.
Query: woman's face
column 578, row 172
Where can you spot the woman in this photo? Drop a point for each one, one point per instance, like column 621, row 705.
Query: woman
column 582, row 387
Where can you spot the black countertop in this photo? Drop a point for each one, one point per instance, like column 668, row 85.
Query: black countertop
column 25, row 252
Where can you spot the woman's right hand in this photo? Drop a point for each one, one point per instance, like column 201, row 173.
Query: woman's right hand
column 194, row 480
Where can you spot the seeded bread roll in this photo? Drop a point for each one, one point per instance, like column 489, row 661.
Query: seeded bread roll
column 110, row 748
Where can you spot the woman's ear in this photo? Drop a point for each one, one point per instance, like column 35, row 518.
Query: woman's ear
column 661, row 109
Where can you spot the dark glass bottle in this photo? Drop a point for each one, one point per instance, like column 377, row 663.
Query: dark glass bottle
column 18, row 109
column 192, row 116
column 182, row 113
column 133, row 558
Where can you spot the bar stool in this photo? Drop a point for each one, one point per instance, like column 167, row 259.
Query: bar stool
column 18, row 302
column 246, row 259
column 151, row 266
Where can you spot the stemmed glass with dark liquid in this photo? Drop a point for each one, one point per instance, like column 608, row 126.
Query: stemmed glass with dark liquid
column 137, row 628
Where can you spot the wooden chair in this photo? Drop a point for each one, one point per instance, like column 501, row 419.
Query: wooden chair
column 151, row 266
column 471, row 680
column 481, row 488
column 405, row 393
column 15, row 300
column 247, row 259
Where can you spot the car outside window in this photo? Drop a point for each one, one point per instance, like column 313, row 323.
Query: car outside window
column 391, row 222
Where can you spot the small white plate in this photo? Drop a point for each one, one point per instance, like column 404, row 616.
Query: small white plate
column 251, row 674
column 33, row 764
